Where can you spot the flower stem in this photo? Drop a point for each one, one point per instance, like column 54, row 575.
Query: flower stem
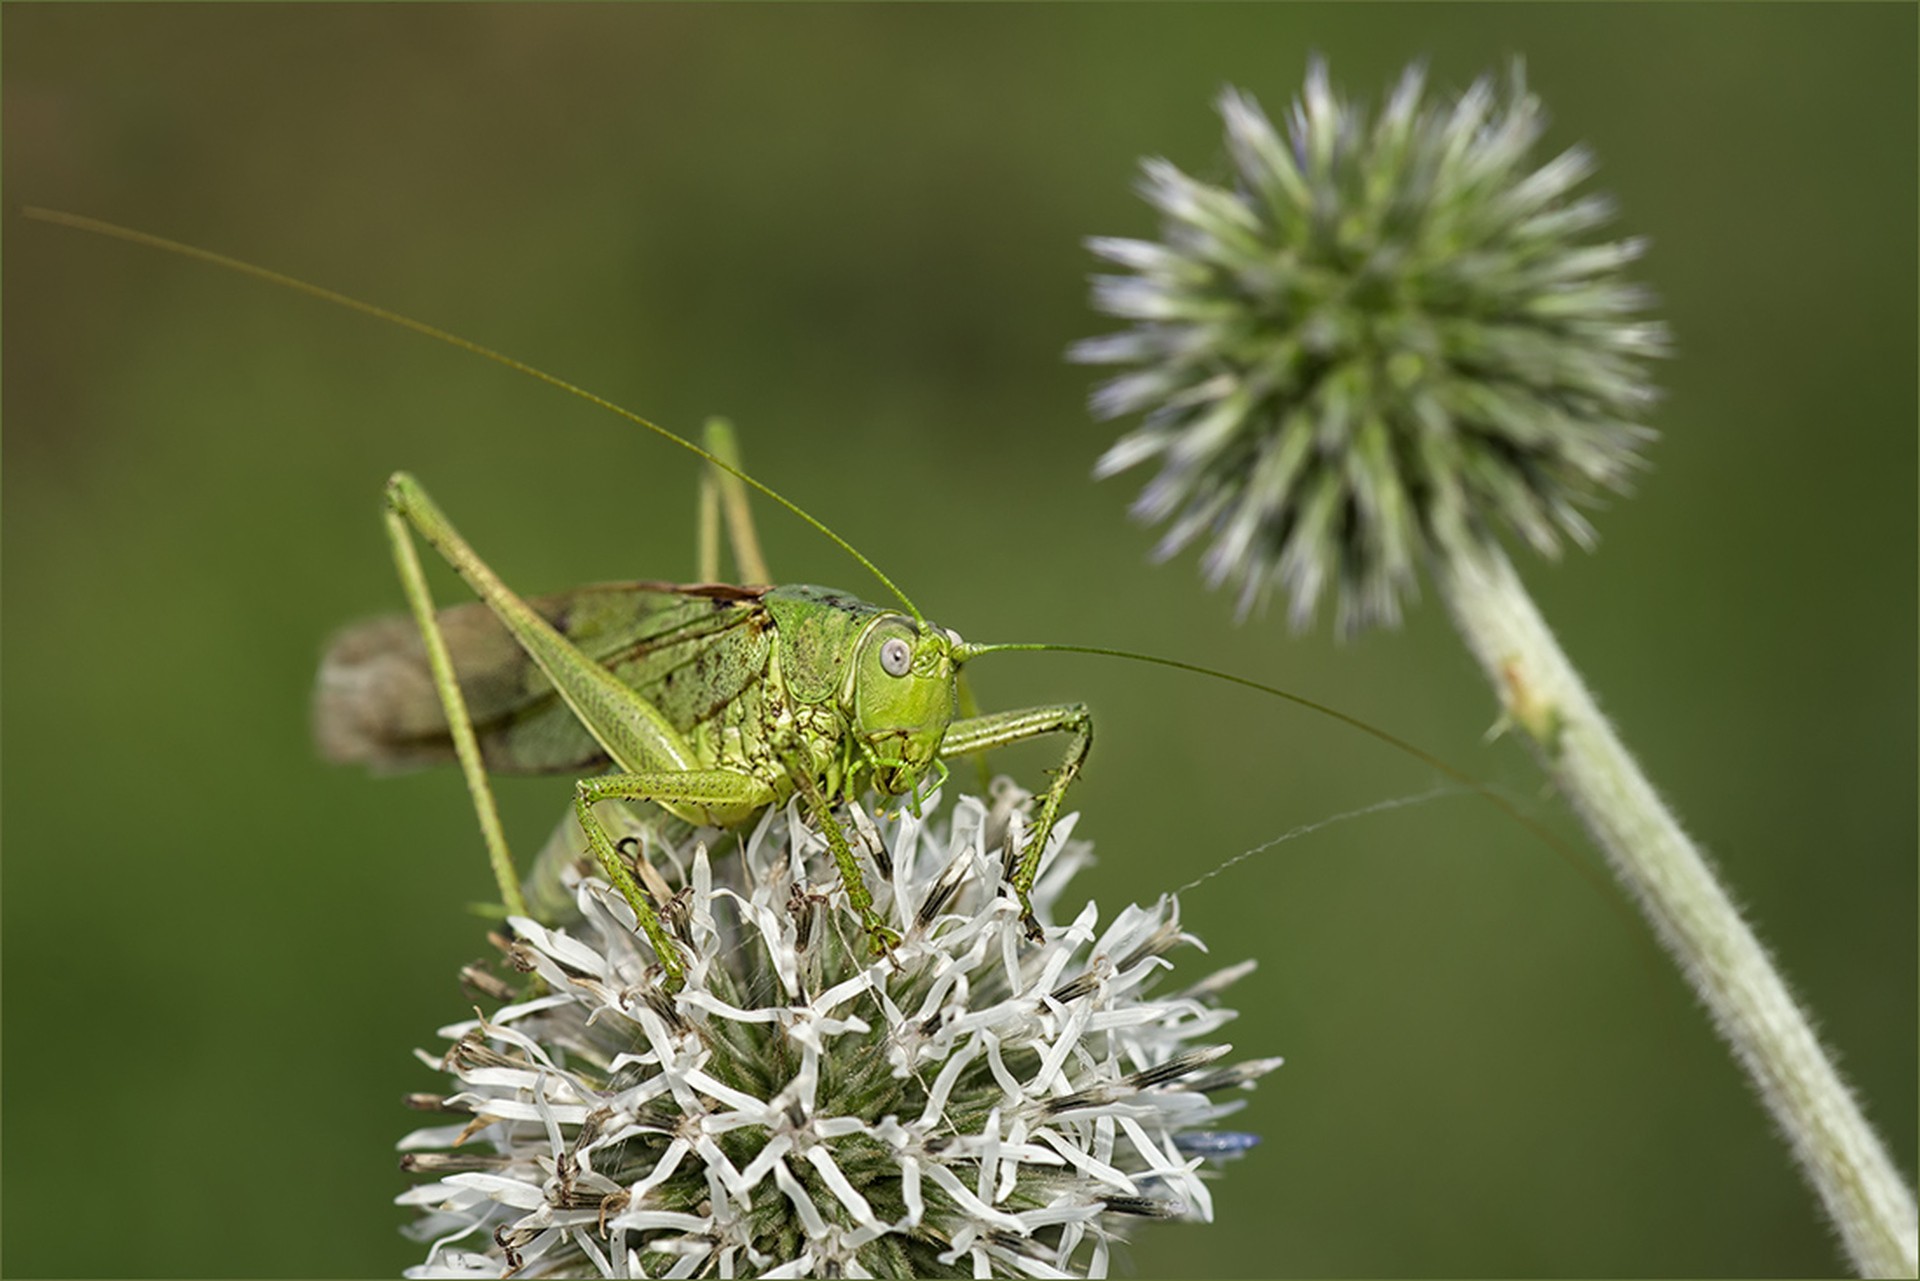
column 1870, row 1204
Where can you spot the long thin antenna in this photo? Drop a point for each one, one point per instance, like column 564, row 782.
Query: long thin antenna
column 80, row 222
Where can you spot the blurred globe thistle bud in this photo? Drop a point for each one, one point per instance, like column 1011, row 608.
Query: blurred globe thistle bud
column 1377, row 339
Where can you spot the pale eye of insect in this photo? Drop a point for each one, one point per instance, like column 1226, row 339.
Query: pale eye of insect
column 896, row 656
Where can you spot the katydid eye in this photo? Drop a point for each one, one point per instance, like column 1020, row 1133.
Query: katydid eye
column 896, row 656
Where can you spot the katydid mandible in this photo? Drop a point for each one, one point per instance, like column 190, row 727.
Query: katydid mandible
column 711, row 700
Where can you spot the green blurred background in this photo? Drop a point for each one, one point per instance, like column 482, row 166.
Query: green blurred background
column 856, row 231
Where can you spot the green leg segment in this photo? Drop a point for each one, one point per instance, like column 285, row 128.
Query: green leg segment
column 879, row 936
column 998, row 729
column 721, row 493
column 707, row 528
column 720, row 797
column 633, row 731
column 413, row 581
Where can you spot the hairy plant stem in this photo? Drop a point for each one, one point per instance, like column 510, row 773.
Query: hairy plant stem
column 1870, row 1204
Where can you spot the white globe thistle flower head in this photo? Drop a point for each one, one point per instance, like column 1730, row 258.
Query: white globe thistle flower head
column 971, row 1105
column 1377, row 340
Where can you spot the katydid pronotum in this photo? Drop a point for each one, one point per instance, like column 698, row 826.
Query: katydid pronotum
column 786, row 691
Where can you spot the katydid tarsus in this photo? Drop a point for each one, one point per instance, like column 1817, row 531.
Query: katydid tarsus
column 710, row 700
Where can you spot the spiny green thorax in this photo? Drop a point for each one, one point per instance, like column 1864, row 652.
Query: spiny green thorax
column 1381, row 338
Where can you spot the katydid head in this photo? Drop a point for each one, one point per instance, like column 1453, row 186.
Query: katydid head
column 902, row 697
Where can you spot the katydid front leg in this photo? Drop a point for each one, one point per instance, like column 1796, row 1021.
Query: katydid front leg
column 880, row 936
column 998, row 729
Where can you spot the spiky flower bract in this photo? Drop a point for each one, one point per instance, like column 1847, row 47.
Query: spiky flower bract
column 1376, row 338
column 971, row 1105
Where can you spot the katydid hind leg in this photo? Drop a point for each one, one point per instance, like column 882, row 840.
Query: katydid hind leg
column 730, row 501
column 976, row 734
column 658, row 763
column 413, row 582
column 707, row 528
column 632, row 731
